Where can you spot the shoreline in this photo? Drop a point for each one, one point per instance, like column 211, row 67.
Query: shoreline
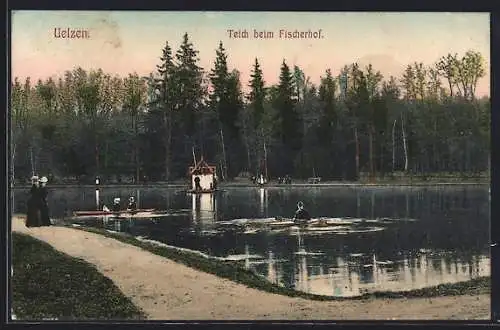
column 218, row 266
column 223, row 297
column 187, row 256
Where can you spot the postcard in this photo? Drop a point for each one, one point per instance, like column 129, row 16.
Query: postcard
column 250, row 165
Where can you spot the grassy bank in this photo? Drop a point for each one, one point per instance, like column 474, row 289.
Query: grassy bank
column 236, row 273
column 48, row 284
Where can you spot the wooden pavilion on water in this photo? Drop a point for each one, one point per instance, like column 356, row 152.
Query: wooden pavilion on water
column 205, row 175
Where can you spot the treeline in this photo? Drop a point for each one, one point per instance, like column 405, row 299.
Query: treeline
column 90, row 123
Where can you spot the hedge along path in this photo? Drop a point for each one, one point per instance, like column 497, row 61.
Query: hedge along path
column 166, row 290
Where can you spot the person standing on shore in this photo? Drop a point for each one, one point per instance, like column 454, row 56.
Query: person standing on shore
column 33, row 218
column 44, row 207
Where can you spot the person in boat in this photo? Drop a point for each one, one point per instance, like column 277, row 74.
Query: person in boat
column 132, row 205
column 116, row 205
column 301, row 214
column 197, row 186
column 44, row 206
column 33, row 218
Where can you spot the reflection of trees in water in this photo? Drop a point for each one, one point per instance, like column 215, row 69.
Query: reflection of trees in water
column 263, row 202
column 350, row 276
column 302, row 275
column 366, row 273
column 338, row 273
column 358, row 204
column 336, row 202
column 119, row 225
column 416, row 203
column 271, row 268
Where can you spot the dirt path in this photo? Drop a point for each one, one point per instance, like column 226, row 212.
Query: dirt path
column 166, row 290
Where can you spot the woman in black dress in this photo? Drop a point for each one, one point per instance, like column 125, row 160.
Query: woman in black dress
column 33, row 215
column 44, row 207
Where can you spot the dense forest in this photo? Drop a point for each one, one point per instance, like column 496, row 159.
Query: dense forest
column 355, row 122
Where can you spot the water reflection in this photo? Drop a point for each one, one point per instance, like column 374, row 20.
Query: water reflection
column 204, row 208
column 247, row 257
column 272, row 273
column 97, row 200
column 263, row 202
column 352, row 278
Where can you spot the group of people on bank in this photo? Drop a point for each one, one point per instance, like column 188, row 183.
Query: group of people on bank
column 261, row 179
column 38, row 209
column 285, row 180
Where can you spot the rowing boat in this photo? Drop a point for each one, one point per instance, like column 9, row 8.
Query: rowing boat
column 142, row 215
column 281, row 223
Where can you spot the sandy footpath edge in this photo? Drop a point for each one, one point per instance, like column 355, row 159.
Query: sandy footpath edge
column 167, row 290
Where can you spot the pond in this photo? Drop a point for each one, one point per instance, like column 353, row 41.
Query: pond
column 382, row 238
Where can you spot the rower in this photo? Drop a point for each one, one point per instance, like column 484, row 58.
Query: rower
column 301, row 214
column 132, row 206
column 116, row 205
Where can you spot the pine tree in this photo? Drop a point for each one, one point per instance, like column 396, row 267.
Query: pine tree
column 257, row 94
column 288, row 120
column 189, row 77
column 219, row 98
column 218, row 78
column 327, row 121
column 235, row 107
column 167, row 92
column 225, row 100
column 189, row 99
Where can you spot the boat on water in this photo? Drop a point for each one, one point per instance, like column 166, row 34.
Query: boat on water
column 138, row 213
column 144, row 213
column 281, row 223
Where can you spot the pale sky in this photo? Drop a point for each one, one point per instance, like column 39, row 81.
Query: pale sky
column 122, row 42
